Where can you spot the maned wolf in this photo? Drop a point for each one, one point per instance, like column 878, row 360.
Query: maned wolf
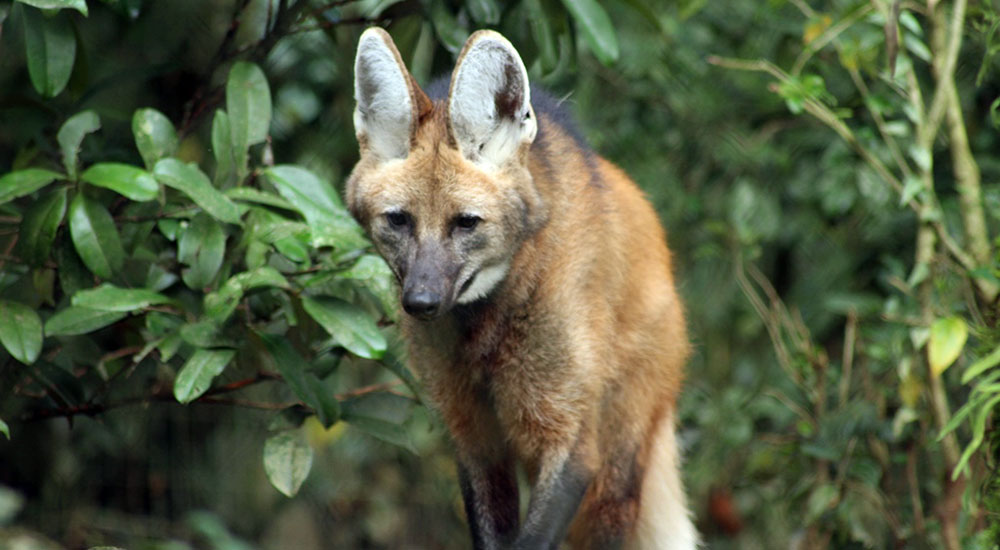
column 542, row 316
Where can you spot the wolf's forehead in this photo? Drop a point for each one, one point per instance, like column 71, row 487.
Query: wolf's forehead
column 431, row 178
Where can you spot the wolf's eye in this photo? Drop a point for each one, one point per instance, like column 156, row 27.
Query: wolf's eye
column 467, row 221
column 397, row 219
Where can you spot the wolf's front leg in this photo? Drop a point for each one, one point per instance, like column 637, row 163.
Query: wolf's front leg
column 563, row 478
column 489, row 489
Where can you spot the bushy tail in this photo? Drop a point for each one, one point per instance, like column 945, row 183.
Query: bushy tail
column 664, row 521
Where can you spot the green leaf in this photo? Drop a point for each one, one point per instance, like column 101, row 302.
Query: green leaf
column 20, row 331
column 316, row 200
column 78, row 5
column 947, row 339
column 23, row 182
column 981, row 365
column 79, row 320
column 912, row 186
column 451, row 33
column 222, row 148
column 541, row 31
column 595, row 26
column 155, row 136
column 377, row 277
column 95, row 236
column 349, row 325
column 202, row 247
column 290, row 363
column 822, row 498
column 484, row 12
column 978, row 433
column 108, row 297
column 196, row 376
column 261, row 277
column 220, row 305
column 385, row 406
column 386, row 431
column 125, row 179
column 4, row 429
column 50, row 46
column 190, row 180
column 248, row 104
column 39, row 226
column 249, row 194
column 71, row 135
column 287, row 461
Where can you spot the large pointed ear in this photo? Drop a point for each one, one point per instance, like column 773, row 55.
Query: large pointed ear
column 489, row 105
column 389, row 102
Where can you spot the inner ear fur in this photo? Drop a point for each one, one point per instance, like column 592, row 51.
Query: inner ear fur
column 389, row 101
column 489, row 103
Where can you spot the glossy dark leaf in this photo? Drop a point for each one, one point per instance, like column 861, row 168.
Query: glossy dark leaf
column 190, row 180
column 20, row 331
column 290, row 363
column 39, row 227
column 23, row 182
column 595, row 26
column 51, row 50
column 95, row 236
column 201, row 247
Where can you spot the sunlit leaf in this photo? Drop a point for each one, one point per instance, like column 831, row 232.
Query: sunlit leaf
column 71, row 135
column 981, row 365
column 287, row 461
column 78, row 5
column 316, row 200
column 108, row 297
column 947, row 339
column 20, row 331
column 80, row 320
column 350, row 326
column 248, row 105
column 190, row 180
column 155, row 136
column 196, row 376
column 125, row 179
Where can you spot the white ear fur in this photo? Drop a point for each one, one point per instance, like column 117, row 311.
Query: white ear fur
column 384, row 112
column 489, row 106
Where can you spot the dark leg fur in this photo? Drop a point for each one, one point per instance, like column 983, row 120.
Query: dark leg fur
column 491, row 502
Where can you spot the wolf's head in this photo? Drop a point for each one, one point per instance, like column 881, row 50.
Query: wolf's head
column 444, row 188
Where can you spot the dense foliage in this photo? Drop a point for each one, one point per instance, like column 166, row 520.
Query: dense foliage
column 192, row 327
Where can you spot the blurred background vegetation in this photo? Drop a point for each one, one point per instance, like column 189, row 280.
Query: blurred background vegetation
column 170, row 232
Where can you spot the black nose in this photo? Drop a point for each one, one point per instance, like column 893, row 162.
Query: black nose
column 422, row 303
